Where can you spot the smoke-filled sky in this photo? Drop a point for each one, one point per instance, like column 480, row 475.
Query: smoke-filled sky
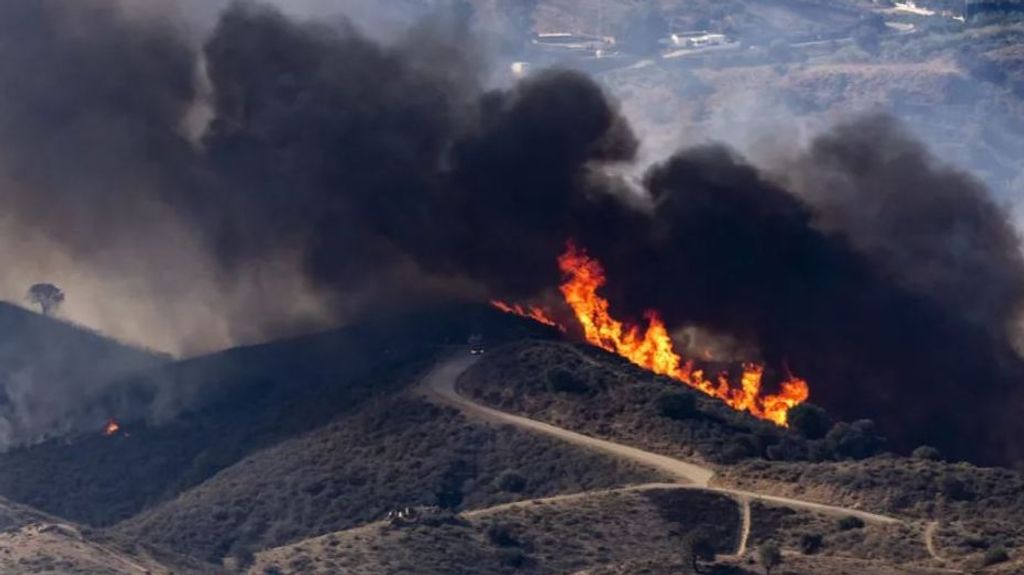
column 196, row 178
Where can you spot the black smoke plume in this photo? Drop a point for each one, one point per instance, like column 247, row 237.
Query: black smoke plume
column 888, row 281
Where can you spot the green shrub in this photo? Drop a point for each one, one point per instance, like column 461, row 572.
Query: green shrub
column 851, row 522
column 927, row 453
column 511, row 481
column 501, row 535
column 514, row 558
column 811, row 543
column 676, row 405
column 698, row 547
column 769, row 556
column 995, row 555
column 564, row 381
column 954, row 488
column 858, row 440
column 809, row 420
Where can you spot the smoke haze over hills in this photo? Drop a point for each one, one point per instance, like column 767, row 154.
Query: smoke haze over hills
column 278, row 176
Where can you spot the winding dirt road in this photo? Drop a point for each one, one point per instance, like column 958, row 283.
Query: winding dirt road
column 440, row 386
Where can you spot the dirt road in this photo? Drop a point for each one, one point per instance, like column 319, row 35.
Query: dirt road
column 440, row 386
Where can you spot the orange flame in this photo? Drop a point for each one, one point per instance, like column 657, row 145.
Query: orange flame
column 652, row 348
column 111, row 427
column 531, row 312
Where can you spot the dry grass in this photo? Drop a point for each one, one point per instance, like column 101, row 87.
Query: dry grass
column 555, row 537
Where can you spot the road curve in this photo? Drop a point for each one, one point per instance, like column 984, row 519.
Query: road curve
column 440, row 385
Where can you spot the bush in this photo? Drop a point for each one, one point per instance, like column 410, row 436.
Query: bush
column 676, row 405
column 811, row 543
column 787, row 450
column 698, row 547
column 769, row 556
column 995, row 555
column 858, row 440
column 511, row 481
column 809, row 420
column 741, row 447
column 927, row 453
column 514, row 558
column 501, row 535
column 564, row 381
column 851, row 522
column 954, row 488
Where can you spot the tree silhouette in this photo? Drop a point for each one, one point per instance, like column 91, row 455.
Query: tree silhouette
column 47, row 296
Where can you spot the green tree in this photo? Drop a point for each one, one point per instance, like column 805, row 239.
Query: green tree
column 994, row 556
column 47, row 296
column 698, row 547
column 769, row 556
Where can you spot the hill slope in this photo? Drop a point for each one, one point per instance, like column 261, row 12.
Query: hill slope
column 51, row 371
column 396, row 453
column 207, row 413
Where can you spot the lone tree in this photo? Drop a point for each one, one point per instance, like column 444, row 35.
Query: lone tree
column 769, row 556
column 698, row 547
column 47, row 296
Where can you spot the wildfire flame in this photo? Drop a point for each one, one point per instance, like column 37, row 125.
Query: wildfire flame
column 652, row 348
column 531, row 312
column 111, row 427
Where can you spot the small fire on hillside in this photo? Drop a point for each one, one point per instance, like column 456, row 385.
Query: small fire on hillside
column 652, row 348
column 111, row 427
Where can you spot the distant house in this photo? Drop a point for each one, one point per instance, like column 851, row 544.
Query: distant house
column 975, row 8
column 570, row 42
column 697, row 39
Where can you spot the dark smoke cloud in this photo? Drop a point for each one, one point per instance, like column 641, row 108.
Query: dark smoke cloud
column 729, row 250
column 933, row 228
column 883, row 277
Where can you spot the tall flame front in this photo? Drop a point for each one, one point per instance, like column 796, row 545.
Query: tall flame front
column 651, row 347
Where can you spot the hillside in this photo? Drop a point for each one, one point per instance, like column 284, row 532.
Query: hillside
column 53, row 372
column 975, row 511
column 559, row 535
column 213, row 411
column 299, row 460
column 397, row 453
column 33, row 542
column 45, row 548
